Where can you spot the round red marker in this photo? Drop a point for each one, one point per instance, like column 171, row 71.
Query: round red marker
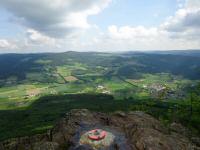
column 97, row 134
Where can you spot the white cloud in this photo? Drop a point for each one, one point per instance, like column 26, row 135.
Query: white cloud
column 183, row 20
column 192, row 4
column 52, row 27
column 141, row 38
column 34, row 37
column 5, row 44
column 181, row 31
column 186, row 21
column 55, row 18
column 127, row 32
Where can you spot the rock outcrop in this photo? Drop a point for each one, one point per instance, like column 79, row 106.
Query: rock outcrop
column 131, row 131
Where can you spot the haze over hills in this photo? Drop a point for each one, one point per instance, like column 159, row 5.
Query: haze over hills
column 195, row 53
column 172, row 52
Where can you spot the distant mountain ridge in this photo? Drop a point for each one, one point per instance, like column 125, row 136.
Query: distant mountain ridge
column 184, row 63
column 195, row 53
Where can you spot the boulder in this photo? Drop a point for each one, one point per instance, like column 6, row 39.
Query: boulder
column 130, row 131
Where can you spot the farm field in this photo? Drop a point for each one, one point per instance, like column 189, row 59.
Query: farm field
column 23, row 94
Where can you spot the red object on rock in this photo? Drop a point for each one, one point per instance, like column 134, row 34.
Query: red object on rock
column 97, row 134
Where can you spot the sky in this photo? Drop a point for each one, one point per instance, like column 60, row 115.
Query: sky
column 31, row 26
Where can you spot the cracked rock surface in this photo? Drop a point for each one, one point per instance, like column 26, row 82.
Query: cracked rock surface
column 132, row 131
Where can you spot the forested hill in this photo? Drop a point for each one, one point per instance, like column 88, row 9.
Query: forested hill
column 131, row 65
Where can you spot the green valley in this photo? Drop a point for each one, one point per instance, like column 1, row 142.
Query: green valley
column 37, row 89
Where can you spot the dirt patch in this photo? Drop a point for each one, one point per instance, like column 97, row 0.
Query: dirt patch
column 33, row 92
column 70, row 78
column 135, row 81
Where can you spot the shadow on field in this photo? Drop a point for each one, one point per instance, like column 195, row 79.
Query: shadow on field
column 46, row 111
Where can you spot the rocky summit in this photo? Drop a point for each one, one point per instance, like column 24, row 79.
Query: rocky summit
column 124, row 131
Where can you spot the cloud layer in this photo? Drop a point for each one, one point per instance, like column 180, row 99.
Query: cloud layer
column 181, row 31
column 5, row 44
column 55, row 18
column 61, row 25
column 186, row 21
